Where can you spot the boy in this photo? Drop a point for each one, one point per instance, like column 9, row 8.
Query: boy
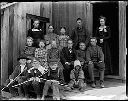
column 95, row 58
column 54, row 53
column 77, row 76
column 81, row 56
column 54, row 77
column 21, row 70
column 34, row 73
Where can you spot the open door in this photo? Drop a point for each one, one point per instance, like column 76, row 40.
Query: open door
column 30, row 20
column 111, row 11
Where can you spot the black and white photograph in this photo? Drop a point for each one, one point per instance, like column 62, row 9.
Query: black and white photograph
column 64, row 50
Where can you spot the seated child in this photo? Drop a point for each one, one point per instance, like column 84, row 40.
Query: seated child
column 54, row 54
column 53, row 78
column 29, row 50
column 41, row 54
column 21, row 70
column 77, row 76
column 34, row 73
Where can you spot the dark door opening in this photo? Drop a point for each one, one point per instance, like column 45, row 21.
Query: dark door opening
column 110, row 11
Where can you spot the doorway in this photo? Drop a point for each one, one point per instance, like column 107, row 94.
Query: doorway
column 110, row 11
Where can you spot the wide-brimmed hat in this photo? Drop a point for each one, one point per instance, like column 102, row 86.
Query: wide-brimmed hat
column 23, row 57
column 77, row 63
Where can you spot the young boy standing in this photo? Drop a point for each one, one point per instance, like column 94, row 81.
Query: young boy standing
column 54, row 77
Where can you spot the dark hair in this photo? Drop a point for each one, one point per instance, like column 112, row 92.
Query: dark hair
column 42, row 41
column 81, row 42
column 93, row 38
column 79, row 19
column 63, row 28
column 50, row 25
column 102, row 17
column 70, row 40
column 37, row 20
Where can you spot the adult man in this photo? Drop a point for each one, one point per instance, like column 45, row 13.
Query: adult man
column 68, row 56
column 79, row 34
column 95, row 57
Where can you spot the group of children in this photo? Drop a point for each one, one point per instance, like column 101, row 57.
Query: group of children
column 47, row 64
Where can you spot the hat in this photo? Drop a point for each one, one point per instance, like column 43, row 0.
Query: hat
column 22, row 57
column 77, row 62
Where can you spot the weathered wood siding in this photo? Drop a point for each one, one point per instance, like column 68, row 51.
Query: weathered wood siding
column 66, row 13
column 122, row 40
column 13, row 32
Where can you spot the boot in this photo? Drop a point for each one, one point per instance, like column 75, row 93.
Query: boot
column 101, row 84
column 93, row 84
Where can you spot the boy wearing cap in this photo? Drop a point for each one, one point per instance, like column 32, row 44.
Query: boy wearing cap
column 53, row 77
column 77, row 76
column 21, row 69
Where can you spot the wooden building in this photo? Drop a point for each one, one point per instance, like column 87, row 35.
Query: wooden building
column 16, row 19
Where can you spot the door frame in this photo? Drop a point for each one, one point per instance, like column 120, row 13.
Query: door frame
column 121, row 66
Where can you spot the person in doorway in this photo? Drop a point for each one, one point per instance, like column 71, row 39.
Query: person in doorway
column 79, row 34
column 36, row 33
column 103, row 34
column 95, row 58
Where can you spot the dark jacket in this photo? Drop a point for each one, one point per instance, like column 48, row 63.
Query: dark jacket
column 81, row 55
column 66, row 56
column 17, row 71
column 90, row 53
column 79, row 35
column 55, row 75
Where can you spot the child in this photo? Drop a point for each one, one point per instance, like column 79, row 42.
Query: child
column 41, row 54
column 29, row 50
column 21, row 70
column 34, row 73
column 81, row 56
column 77, row 76
column 54, row 53
column 54, row 77
column 63, row 38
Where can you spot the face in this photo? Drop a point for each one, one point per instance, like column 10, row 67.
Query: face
column 54, row 45
column 50, row 29
column 23, row 61
column 70, row 43
column 62, row 31
column 77, row 67
column 35, row 63
column 36, row 24
column 47, row 42
column 93, row 42
column 29, row 42
column 82, row 46
column 102, row 22
column 41, row 44
column 53, row 66
column 79, row 22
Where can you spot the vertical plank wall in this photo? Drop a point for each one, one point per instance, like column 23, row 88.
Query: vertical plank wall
column 122, row 40
column 66, row 13
column 13, row 33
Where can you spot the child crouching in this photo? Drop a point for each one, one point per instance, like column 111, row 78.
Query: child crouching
column 77, row 77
